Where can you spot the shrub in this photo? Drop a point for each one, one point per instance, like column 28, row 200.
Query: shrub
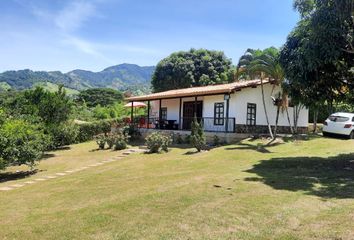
column 87, row 131
column 133, row 132
column 63, row 134
column 101, row 141
column 157, row 142
column 197, row 136
column 216, row 140
column 179, row 139
column 21, row 143
column 110, row 139
column 121, row 140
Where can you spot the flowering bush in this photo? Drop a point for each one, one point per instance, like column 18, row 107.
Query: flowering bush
column 157, row 142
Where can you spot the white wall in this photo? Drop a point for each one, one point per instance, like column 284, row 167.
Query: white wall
column 239, row 100
column 238, row 106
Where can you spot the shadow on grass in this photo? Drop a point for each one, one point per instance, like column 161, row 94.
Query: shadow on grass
column 10, row 176
column 260, row 147
column 331, row 177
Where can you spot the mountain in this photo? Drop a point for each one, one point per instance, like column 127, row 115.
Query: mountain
column 125, row 77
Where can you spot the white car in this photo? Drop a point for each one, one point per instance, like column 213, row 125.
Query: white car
column 340, row 124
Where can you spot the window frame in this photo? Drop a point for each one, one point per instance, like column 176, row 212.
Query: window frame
column 219, row 111
column 251, row 114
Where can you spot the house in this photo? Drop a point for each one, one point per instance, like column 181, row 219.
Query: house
column 230, row 111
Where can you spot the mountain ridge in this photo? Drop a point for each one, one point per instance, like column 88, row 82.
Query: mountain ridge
column 124, row 77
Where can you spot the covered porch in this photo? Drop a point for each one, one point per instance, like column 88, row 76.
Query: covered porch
column 166, row 111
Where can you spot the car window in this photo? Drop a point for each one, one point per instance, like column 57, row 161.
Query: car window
column 338, row 118
column 353, row 119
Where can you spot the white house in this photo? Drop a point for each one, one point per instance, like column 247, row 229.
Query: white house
column 232, row 110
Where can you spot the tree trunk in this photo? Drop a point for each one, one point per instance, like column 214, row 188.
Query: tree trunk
column 297, row 109
column 290, row 125
column 276, row 122
column 265, row 111
column 315, row 116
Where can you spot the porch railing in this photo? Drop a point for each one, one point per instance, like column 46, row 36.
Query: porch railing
column 210, row 124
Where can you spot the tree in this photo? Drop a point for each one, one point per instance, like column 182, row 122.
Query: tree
column 193, row 68
column 263, row 64
column 100, row 96
column 197, row 135
column 21, row 143
column 318, row 55
column 51, row 108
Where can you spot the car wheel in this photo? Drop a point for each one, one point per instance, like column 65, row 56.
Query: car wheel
column 351, row 135
column 325, row 134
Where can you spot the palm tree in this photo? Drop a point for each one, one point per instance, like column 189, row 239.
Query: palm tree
column 265, row 64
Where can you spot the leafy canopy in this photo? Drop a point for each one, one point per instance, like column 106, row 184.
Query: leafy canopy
column 100, row 96
column 318, row 55
column 193, row 68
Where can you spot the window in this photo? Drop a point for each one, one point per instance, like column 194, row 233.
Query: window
column 251, row 114
column 335, row 118
column 164, row 113
column 219, row 114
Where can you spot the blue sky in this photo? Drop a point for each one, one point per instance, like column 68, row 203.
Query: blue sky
column 94, row 34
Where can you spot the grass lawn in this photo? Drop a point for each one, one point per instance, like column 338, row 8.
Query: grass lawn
column 291, row 190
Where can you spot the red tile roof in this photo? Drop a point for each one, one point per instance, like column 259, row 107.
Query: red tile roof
column 200, row 91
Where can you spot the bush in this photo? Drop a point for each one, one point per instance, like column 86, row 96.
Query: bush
column 133, row 132
column 216, row 140
column 179, row 139
column 157, row 142
column 197, row 136
column 110, row 139
column 121, row 140
column 63, row 134
column 101, row 141
column 87, row 131
column 21, row 143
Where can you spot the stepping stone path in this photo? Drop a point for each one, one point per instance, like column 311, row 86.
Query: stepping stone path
column 61, row 174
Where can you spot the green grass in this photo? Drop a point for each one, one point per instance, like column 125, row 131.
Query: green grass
column 52, row 87
column 290, row 190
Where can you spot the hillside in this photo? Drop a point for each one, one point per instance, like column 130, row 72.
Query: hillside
column 122, row 77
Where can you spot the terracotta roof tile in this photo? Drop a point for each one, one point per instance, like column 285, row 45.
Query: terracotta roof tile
column 199, row 91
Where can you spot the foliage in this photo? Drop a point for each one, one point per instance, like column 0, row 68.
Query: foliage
column 121, row 139
column 179, row 139
column 193, row 68
column 100, row 96
column 63, row 134
column 216, row 140
column 157, row 142
column 133, row 132
column 87, row 131
column 318, row 54
column 21, row 143
column 52, row 108
column 110, row 139
column 101, row 141
column 197, row 138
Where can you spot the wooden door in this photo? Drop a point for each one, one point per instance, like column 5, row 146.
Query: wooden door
column 188, row 113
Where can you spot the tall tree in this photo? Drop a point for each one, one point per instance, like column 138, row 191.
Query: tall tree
column 318, row 54
column 193, row 68
column 100, row 96
column 263, row 64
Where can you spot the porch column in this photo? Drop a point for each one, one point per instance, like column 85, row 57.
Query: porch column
column 227, row 112
column 160, row 113
column 132, row 112
column 148, row 115
column 195, row 106
column 180, row 114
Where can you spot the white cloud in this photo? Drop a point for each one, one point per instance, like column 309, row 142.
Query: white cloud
column 74, row 15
